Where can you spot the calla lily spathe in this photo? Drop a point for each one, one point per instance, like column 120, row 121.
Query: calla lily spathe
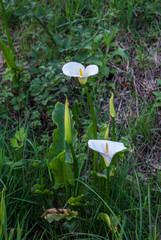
column 106, row 148
column 74, row 69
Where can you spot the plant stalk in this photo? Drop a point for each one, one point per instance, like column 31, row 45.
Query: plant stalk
column 108, row 186
column 113, row 129
column 107, row 189
column 76, row 171
column 94, row 124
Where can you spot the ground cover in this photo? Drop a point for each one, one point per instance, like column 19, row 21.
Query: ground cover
column 123, row 39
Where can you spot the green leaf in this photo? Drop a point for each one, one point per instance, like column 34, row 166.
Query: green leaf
column 89, row 133
column 62, row 170
column 120, row 155
column 159, row 81
column 121, row 53
column 157, row 104
column 102, row 132
column 112, row 109
column 9, row 56
column 78, row 201
column 81, row 57
column 14, row 143
column 112, row 170
column 39, row 189
column 59, row 144
column 98, row 38
column 20, row 135
column 106, row 71
column 54, row 214
column 91, row 59
column 109, row 38
column 71, row 226
column 157, row 94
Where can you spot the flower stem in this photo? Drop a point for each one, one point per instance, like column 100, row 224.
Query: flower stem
column 75, row 167
column 94, row 124
column 113, row 129
column 108, row 187
column 67, row 189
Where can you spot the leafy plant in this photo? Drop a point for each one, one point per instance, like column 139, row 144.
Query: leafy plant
column 9, row 52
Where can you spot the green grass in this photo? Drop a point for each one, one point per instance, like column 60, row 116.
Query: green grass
column 116, row 36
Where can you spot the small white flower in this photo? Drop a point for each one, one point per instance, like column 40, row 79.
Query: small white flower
column 106, row 148
column 74, row 69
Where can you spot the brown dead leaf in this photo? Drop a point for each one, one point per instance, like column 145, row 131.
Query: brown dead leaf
column 54, row 214
column 55, row 211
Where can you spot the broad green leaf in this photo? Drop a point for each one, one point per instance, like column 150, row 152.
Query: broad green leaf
column 91, row 59
column 106, row 71
column 15, row 164
column 120, row 52
column 78, row 201
column 20, row 135
column 44, row 192
column 9, row 56
column 99, row 63
column 14, row 143
column 54, row 214
column 10, row 60
column 81, row 56
column 59, row 144
column 112, row 109
column 62, row 170
column 39, row 189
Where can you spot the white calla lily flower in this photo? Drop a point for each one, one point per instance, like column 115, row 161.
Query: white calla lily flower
column 106, row 148
column 74, row 69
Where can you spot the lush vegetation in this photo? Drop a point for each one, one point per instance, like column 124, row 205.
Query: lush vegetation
column 52, row 186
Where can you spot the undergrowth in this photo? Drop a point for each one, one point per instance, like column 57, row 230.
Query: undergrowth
column 121, row 38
